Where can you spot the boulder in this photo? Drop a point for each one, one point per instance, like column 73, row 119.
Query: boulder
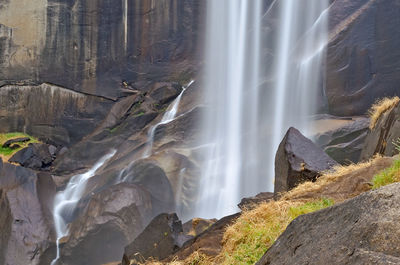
column 344, row 143
column 297, row 160
column 10, row 142
column 363, row 230
column 251, row 202
column 196, row 226
column 209, row 242
column 26, row 231
column 35, row 156
column 163, row 93
column 386, row 131
column 111, row 219
column 161, row 238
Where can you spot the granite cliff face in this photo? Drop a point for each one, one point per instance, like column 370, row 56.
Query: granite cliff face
column 363, row 59
column 97, row 51
column 95, row 46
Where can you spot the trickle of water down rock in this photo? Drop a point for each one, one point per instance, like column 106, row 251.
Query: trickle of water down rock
column 66, row 200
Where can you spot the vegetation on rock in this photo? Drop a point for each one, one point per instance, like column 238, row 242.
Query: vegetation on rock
column 380, row 107
column 7, row 152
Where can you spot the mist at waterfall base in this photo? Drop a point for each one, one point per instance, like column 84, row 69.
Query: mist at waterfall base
column 65, row 201
column 263, row 74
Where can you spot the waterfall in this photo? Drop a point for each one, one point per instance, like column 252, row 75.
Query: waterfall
column 253, row 98
column 65, row 201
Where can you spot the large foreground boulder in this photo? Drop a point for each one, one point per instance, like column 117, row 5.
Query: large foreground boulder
column 297, row 160
column 162, row 237
column 363, row 230
column 25, row 198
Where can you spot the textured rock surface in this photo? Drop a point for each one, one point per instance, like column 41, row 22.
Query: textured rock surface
column 297, row 160
column 363, row 58
column 345, row 143
column 363, row 230
column 35, row 156
column 111, row 219
column 208, row 242
column 50, row 113
column 161, row 238
column 386, row 131
column 97, row 47
column 24, row 206
column 250, row 203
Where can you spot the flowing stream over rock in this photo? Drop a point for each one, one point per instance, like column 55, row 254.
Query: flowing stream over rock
column 169, row 116
column 249, row 109
column 66, row 200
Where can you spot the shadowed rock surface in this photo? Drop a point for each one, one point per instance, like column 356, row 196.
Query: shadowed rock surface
column 24, row 206
column 363, row 230
column 344, row 144
column 35, row 156
column 298, row 160
column 386, row 131
column 111, row 219
column 162, row 237
column 251, row 202
column 208, row 242
column 362, row 57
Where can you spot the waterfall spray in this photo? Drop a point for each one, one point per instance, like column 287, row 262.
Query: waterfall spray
column 249, row 111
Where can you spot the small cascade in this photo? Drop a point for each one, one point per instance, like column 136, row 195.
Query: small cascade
column 169, row 115
column 65, row 201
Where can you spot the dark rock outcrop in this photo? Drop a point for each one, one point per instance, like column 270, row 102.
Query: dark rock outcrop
column 11, row 142
column 362, row 54
column 297, row 160
column 25, row 199
column 345, row 143
column 386, row 131
column 250, row 203
column 208, row 242
column 111, row 219
column 363, row 230
column 196, row 226
column 161, row 238
column 50, row 112
column 35, row 156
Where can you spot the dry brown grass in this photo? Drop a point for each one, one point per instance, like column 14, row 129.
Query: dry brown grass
column 380, row 107
column 246, row 240
column 329, row 177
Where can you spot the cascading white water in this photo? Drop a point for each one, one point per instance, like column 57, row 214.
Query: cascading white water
column 232, row 57
column 298, row 69
column 169, row 116
column 66, row 200
column 250, row 110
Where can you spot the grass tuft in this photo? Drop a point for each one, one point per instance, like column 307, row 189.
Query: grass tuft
column 246, row 241
column 380, row 107
column 387, row 176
